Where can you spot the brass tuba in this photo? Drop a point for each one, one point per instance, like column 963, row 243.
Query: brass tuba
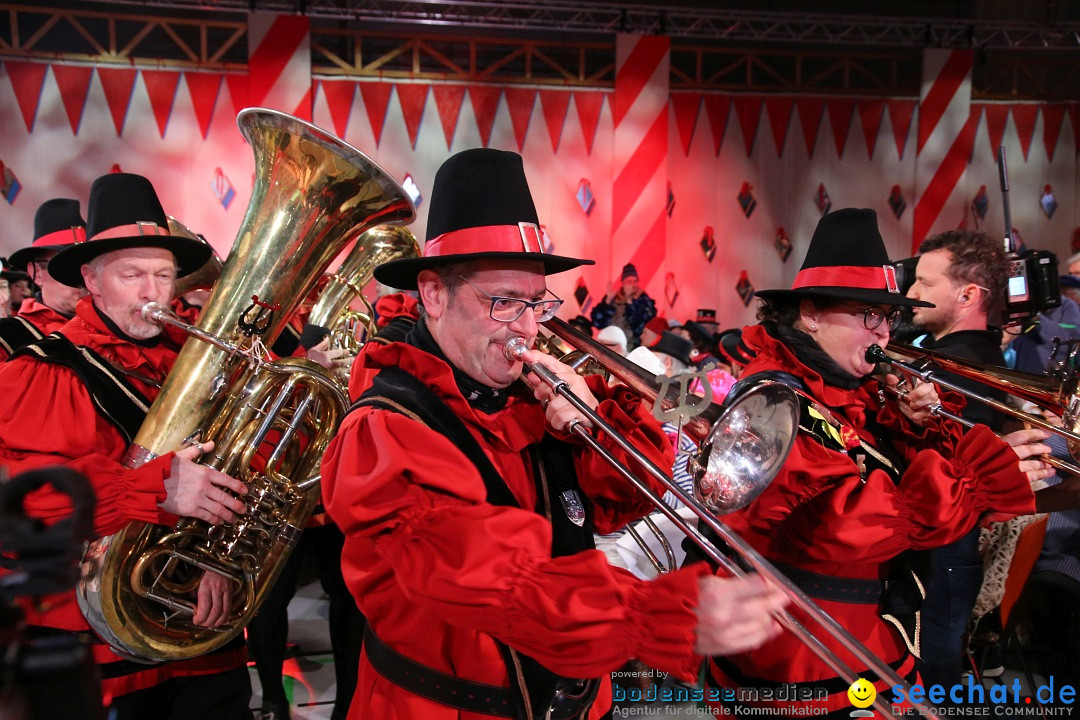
column 312, row 194
column 331, row 311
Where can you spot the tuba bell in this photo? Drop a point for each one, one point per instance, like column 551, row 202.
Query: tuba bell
column 331, row 311
column 312, row 194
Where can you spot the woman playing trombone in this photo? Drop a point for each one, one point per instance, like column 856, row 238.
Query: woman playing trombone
column 870, row 476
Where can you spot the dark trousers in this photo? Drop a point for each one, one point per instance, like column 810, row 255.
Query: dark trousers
column 221, row 696
column 1053, row 604
column 955, row 579
column 268, row 631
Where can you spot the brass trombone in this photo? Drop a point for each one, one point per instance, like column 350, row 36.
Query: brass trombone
column 742, row 449
column 1060, row 396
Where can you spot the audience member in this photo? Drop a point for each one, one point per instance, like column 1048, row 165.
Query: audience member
column 627, row 306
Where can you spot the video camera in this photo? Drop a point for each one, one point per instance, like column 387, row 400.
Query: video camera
column 44, row 675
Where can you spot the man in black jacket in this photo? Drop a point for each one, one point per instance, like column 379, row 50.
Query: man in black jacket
column 964, row 274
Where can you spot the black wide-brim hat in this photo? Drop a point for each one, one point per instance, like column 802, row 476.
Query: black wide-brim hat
column 124, row 212
column 674, row 345
column 732, row 346
column 57, row 224
column 481, row 209
column 847, row 260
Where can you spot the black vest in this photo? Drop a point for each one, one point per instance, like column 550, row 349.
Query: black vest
column 559, row 499
column 15, row 332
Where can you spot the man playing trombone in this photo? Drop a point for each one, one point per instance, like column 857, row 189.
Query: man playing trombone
column 870, row 475
column 469, row 511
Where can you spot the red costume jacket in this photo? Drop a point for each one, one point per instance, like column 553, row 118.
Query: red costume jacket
column 439, row 572
column 47, row 418
column 821, row 515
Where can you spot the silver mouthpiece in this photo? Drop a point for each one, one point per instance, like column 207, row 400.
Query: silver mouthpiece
column 515, row 349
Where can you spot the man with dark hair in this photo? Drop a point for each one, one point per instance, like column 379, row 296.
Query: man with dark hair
column 963, row 274
column 78, row 397
column 626, row 305
column 469, row 508
column 57, row 225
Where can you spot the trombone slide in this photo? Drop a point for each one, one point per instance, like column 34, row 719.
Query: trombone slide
column 516, row 349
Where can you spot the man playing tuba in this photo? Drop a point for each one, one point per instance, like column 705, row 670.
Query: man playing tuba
column 78, row 397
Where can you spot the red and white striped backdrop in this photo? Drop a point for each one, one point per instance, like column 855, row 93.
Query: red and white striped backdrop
column 639, row 190
column 63, row 125
column 279, row 63
column 946, row 136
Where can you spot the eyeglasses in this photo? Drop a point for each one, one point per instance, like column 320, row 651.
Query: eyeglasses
column 874, row 316
column 508, row 309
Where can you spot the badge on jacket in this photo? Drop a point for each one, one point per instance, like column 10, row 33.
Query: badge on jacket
column 573, row 507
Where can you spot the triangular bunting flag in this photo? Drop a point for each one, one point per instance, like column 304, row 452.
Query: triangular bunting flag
column 520, row 101
column 810, row 111
column 376, row 96
column 161, row 87
column 1053, row 116
column 339, row 96
column 997, row 115
column 485, row 101
column 27, row 80
column 303, row 107
column 717, row 107
column 841, row 111
column 74, row 84
column 204, row 89
column 589, row 105
column 412, row 97
column 686, row 106
column 238, row 91
column 748, row 111
column 870, row 114
column 901, row 113
column 448, row 99
column 118, row 84
column 1024, row 117
column 778, row 108
column 554, row 104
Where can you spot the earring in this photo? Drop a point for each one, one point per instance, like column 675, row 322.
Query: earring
column 813, row 328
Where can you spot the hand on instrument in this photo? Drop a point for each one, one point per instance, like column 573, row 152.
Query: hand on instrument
column 558, row 410
column 199, row 491
column 1028, row 445
column 338, row 361
column 914, row 398
column 214, row 600
column 736, row 614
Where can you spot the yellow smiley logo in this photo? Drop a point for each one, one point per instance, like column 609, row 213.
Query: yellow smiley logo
column 862, row 693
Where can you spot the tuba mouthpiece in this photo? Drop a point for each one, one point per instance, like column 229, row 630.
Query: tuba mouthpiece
column 515, row 349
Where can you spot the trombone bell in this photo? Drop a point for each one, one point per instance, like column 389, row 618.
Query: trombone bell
column 745, row 448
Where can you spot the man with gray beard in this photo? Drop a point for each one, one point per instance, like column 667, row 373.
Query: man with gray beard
column 77, row 398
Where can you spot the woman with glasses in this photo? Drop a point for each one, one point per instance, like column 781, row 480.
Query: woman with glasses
column 871, row 475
